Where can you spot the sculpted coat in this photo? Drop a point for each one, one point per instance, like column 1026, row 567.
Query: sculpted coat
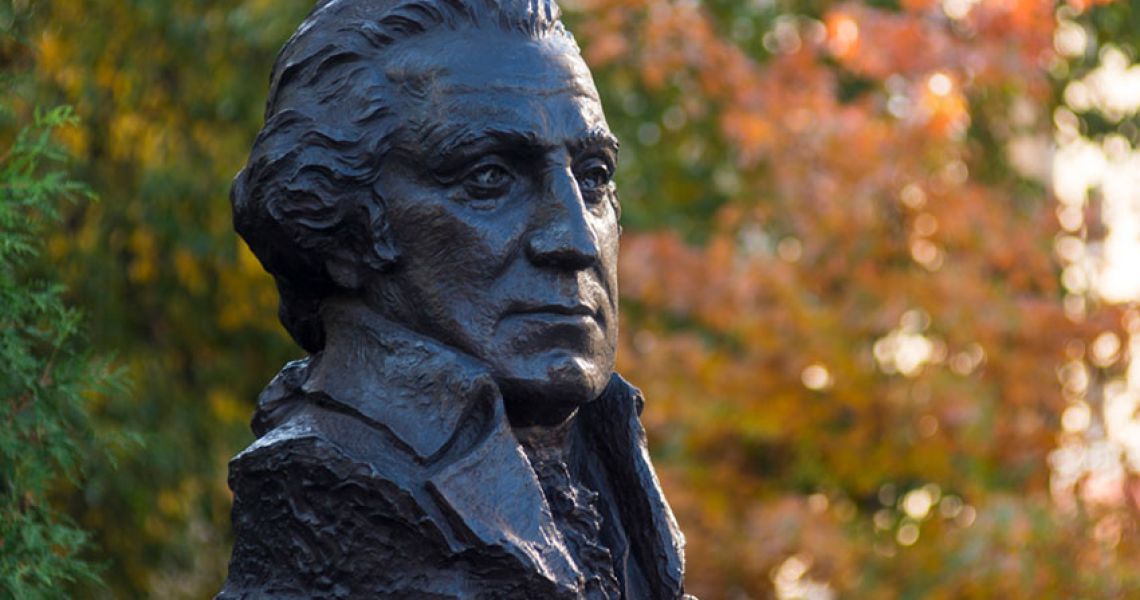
column 346, row 488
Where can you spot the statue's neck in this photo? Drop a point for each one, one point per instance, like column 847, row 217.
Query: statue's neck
column 546, row 445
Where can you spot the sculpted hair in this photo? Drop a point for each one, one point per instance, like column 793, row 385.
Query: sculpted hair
column 308, row 202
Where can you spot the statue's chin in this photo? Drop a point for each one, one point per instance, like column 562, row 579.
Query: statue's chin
column 549, row 401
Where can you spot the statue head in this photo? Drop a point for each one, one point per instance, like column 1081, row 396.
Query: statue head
column 448, row 164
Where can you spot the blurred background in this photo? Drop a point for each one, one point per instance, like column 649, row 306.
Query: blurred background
column 879, row 280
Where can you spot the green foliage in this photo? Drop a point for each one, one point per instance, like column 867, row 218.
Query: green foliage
column 170, row 94
column 47, row 379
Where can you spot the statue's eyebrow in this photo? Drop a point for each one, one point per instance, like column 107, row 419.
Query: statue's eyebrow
column 449, row 142
column 595, row 138
column 464, row 139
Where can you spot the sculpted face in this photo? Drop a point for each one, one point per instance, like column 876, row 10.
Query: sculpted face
column 500, row 201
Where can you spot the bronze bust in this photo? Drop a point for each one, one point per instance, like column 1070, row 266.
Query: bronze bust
column 433, row 194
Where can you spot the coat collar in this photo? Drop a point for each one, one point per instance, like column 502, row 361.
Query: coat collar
column 416, row 387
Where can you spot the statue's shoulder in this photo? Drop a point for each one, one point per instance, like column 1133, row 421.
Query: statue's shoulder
column 328, row 496
column 310, row 508
column 298, row 422
column 318, row 436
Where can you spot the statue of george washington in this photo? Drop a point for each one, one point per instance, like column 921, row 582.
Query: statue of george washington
column 433, row 194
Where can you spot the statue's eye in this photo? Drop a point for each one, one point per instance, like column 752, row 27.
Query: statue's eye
column 489, row 180
column 594, row 175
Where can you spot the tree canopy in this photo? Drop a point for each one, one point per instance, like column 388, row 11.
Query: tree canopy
column 870, row 321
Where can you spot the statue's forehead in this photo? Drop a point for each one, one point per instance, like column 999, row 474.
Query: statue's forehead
column 503, row 81
column 476, row 60
column 565, row 107
column 559, row 120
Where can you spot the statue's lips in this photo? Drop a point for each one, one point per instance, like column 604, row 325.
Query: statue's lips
column 569, row 314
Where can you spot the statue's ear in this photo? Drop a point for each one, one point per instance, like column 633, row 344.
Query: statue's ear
column 344, row 269
column 366, row 251
column 383, row 253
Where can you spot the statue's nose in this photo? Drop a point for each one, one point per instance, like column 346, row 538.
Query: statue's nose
column 562, row 235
